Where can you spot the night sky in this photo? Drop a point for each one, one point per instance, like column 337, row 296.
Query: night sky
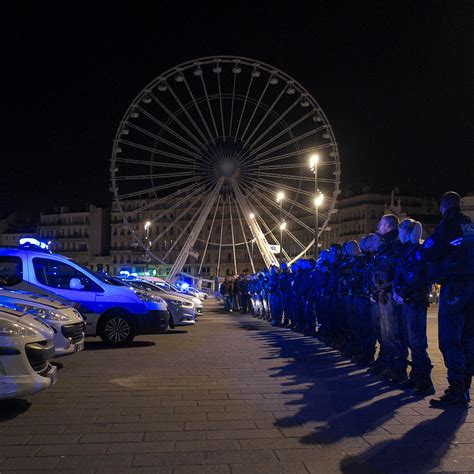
column 396, row 80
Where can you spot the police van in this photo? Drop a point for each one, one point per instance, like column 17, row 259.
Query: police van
column 114, row 312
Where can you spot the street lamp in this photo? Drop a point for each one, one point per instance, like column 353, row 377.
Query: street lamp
column 282, row 228
column 318, row 200
column 147, row 241
column 252, row 215
column 313, row 165
column 279, row 199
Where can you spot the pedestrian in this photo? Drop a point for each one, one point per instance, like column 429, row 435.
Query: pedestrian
column 450, row 253
column 226, row 292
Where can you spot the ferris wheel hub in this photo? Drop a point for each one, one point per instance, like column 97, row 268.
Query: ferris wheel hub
column 227, row 167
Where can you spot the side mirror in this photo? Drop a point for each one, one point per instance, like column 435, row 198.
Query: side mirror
column 76, row 284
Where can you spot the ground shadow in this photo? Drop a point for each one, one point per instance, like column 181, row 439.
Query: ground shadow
column 100, row 345
column 332, row 400
column 421, row 449
column 172, row 332
column 12, row 408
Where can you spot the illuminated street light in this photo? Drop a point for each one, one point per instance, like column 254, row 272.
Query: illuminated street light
column 313, row 161
column 147, row 225
column 318, row 200
column 283, row 226
column 280, row 196
column 252, row 215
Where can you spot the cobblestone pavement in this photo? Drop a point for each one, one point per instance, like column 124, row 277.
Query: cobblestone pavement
column 231, row 395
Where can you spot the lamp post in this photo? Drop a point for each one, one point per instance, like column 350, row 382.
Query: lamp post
column 147, row 240
column 313, row 165
column 282, row 228
column 318, row 200
column 279, row 199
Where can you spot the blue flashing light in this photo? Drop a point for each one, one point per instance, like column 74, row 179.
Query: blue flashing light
column 134, row 274
column 125, row 273
column 184, row 285
column 456, row 242
column 24, row 241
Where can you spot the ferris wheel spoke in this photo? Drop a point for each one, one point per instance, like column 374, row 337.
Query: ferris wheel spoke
column 220, row 104
column 275, row 123
column 288, row 129
column 245, row 238
column 161, row 200
column 291, row 166
column 170, row 131
column 154, row 189
column 188, row 115
column 290, row 142
column 203, row 82
column 267, row 113
column 220, row 239
column 232, row 104
column 157, row 151
column 243, row 108
column 152, row 163
column 152, row 176
column 257, row 105
column 295, row 177
column 232, row 234
column 312, row 149
column 282, row 210
column 292, row 236
column 209, row 235
column 196, row 106
column 174, row 118
column 174, row 222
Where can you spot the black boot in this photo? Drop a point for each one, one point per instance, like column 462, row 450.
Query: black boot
column 455, row 395
column 467, row 387
column 425, row 387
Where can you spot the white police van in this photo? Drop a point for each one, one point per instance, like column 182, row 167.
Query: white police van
column 114, row 312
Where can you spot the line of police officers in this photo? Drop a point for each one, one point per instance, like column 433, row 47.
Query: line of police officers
column 376, row 291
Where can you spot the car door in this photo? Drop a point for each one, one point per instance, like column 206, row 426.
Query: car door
column 65, row 280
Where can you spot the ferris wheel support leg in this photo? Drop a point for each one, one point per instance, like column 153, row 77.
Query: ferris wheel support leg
column 194, row 234
column 262, row 244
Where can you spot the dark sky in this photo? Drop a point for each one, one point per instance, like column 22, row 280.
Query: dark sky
column 396, row 80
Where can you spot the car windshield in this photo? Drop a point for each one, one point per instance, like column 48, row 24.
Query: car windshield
column 104, row 278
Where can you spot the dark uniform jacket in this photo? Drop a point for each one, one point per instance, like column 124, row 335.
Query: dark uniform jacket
column 450, row 249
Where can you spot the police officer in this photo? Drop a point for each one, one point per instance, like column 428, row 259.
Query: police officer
column 450, row 252
column 334, row 304
column 391, row 317
column 411, row 288
column 285, row 285
column 276, row 310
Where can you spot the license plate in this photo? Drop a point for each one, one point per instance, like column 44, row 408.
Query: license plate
column 79, row 346
column 53, row 374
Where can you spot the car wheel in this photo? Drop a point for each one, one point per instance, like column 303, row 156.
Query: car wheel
column 165, row 324
column 117, row 329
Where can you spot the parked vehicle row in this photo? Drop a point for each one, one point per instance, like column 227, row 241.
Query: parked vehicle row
column 49, row 304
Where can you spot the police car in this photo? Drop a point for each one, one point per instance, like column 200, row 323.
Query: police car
column 112, row 311
column 26, row 345
column 66, row 322
column 169, row 287
column 182, row 310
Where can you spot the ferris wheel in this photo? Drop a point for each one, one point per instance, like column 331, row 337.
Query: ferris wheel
column 216, row 152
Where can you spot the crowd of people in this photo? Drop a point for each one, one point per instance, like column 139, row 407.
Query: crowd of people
column 371, row 294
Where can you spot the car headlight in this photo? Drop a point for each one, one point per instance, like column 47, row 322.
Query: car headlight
column 145, row 297
column 8, row 328
column 46, row 314
column 176, row 302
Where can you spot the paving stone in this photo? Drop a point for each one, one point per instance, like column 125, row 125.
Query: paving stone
column 243, row 434
column 141, row 447
column 207, row 445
